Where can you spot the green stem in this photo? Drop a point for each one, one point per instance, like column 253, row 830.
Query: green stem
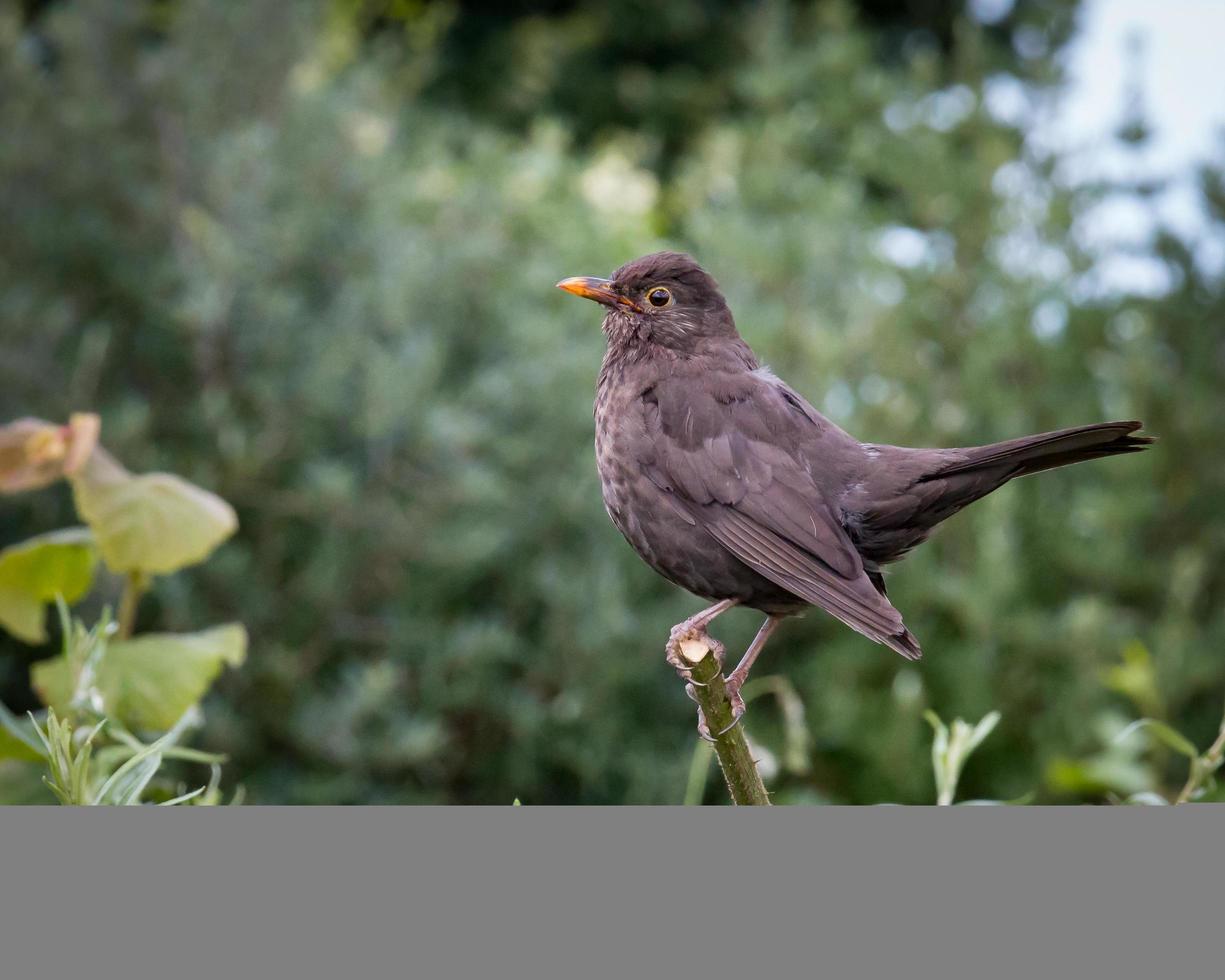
column 739, row 768
column 699, row 766
column 1203, row 767
column 134, row 587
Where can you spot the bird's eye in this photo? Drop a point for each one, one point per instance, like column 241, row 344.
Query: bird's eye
column 659, row 296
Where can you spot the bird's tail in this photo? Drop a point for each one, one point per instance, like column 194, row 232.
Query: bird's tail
column 954, row 478
column 1046, row 450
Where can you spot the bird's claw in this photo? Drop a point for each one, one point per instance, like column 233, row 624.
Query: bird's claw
column 733, row 684
column 737, row 713
column 689, row 631
column 733, row 688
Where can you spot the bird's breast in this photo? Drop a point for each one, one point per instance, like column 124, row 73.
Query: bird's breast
column 620, row 439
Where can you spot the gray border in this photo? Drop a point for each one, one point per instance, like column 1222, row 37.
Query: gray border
column 627, row 893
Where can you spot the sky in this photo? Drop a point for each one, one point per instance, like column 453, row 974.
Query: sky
column 1176, row 50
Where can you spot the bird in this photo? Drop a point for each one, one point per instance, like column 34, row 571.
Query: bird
column 729, row 484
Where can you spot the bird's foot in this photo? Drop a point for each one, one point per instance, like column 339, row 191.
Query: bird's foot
column 689, row 633
column 733, row 682
column 703, row 727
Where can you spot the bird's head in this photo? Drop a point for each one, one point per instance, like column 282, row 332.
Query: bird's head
column 665, row 298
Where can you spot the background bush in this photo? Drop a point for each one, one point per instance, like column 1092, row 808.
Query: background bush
column 304, row 255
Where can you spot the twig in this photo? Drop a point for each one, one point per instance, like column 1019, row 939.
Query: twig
column 739, row 769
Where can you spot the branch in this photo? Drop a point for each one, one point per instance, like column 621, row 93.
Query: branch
column 739, row 769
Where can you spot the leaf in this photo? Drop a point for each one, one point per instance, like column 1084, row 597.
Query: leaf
column 16, row 742
column 68, row 758
column 34, row 453
column 155, row 522
column 129, row 780
column 12, row 747
column 940, row 760
column 1162, row 733
column 982, row 730
column 150, row 681
column 939, row 728
column 179, row 800
column 126, row 783
column 34, row 572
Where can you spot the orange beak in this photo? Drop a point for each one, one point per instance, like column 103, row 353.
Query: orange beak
column 599, row 290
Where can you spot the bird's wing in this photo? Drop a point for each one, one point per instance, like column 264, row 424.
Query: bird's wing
column 733, row 453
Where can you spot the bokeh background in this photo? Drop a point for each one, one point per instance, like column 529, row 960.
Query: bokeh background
column 304, row 255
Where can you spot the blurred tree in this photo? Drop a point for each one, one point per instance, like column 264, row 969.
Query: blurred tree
column 606, row 66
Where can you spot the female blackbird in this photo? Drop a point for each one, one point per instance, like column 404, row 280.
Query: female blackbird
column 730, row 484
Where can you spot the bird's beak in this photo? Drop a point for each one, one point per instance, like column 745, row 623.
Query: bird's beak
column 599, row 290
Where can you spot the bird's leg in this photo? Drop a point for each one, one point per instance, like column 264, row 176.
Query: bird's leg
column 691, row 628
column 695, row 628
column 735, row 680
column 700, row 620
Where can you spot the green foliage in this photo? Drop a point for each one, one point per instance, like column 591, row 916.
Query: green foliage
column 1201, row 779
column 141, row 525
column 658, row 70
column 68, row 761
column 84, row 741
column 313, row 272
column 150, row 681
column 79, row 778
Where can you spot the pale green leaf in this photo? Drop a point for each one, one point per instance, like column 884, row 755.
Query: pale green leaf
column 154, row 523
column 12, row 747
column 35, row 571
column 129, row 780
column 982, row 730
column 179, row 800
column 126, row 783
column 150, row 681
